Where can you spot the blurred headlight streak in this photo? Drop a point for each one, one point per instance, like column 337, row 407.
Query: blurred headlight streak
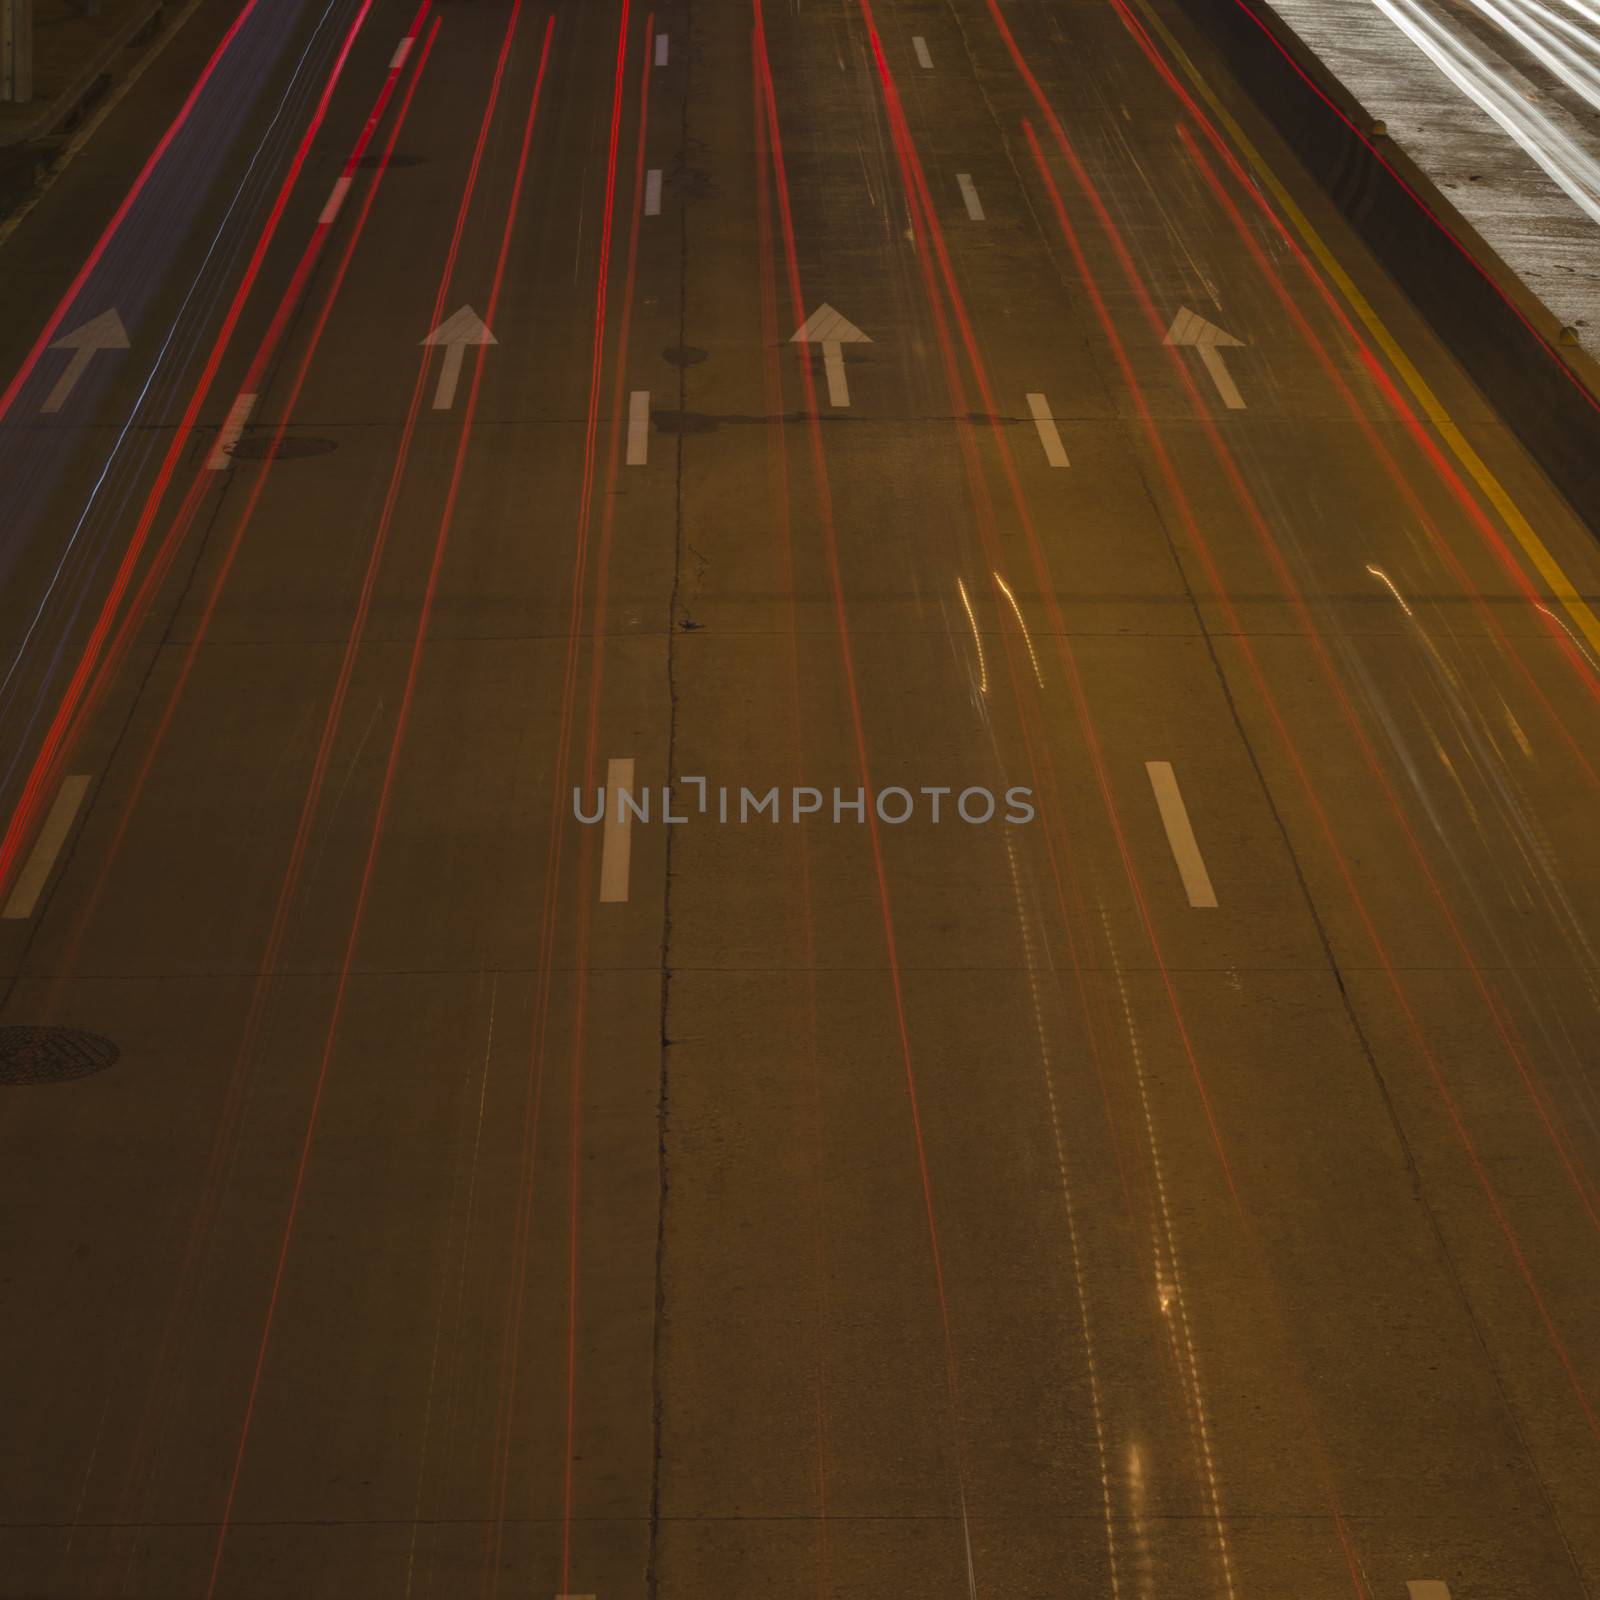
column 1486, row 84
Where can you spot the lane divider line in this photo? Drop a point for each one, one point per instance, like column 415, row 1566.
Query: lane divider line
column 638, row 427
column 920, row 45
column 616, row 839
column 969, row 193
column 1427, row 1589
column 652, row 192
column 1049, row 434
column 661, row 49
column 221, row 457
column 34, row 876
column 1180, row 836
column 341, row 188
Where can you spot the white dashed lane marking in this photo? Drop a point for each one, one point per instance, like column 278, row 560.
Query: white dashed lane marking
column 638, row 427
column 1185, row 851
column 221, row 457
column 1049, row 435
column 616, row 834
column 34, row 876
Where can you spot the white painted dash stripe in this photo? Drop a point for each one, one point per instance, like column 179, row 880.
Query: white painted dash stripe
column 638, row 427
column 652, row 192
column 661, row 49
column 1180, row 835
column 238, row 414
column 920, row 45
column 30, row 885
column 1428, row 1589
column 970, row 194
column 401, row 51
column 1049, row 435
column 335, row 200
column 616, row 837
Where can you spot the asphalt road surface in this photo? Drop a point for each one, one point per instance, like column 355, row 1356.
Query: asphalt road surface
column 1184, row 1183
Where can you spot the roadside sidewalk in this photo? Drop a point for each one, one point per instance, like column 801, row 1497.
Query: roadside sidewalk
column 77, row 59
column 75, row 56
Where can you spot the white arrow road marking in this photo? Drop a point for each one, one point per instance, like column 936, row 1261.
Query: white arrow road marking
column 104, row 332
column 638, row 427
column 833, row 366
column 1220, row 376
column 1190, row 328
column 221, row 457
column 455, row 333
column 652, row 192
column 1180, row 835
column 970, row 195
column 1049, row 435
column 826, row 327
column 30, row 885
column 1428, row 1589
column 661, row 49
column 616, row 838
column 920, row 45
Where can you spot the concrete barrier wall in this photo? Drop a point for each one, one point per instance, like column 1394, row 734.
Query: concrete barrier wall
column 1509, row 343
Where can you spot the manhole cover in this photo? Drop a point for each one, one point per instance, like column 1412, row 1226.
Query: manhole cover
column 52, row 1055
column 292, row 446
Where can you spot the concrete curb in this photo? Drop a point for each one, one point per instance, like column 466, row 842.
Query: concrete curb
column 66, row 106
column 1509, row 342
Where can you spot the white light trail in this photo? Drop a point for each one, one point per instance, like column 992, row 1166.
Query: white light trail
column 1568, row 164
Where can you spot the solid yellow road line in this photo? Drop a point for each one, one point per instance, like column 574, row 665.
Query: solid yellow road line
column 1536, row 550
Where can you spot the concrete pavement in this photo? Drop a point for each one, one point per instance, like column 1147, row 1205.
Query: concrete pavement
column 923, row 1207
